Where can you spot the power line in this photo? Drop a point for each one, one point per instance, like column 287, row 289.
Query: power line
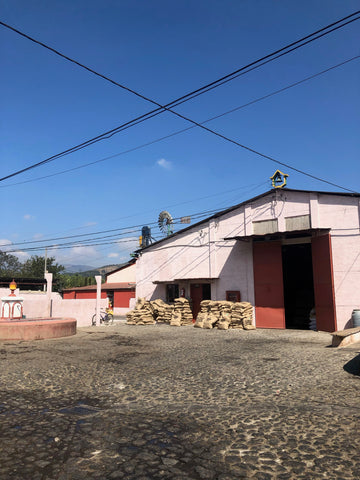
column 264, row 97
column 135, row 228
column 161, row 108
column 80, row 237
column 210, row 85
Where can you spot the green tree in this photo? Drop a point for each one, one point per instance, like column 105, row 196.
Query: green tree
column 34, row 267
column 9, row 265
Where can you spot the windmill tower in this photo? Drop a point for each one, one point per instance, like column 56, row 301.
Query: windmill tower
column 165, row 223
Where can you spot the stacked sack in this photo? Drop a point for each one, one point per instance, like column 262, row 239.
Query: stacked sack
column 204, row 310
column 162, row 311
column 181, row 314
column 224, row 315
column 142, row 314
column 213, row 314
column 242, row 315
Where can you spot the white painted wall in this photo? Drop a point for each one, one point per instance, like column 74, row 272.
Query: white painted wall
column 127, row 274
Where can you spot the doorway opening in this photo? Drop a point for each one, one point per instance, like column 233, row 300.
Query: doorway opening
column 299, row 296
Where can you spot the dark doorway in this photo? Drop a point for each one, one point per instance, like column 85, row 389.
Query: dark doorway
column 298, row 285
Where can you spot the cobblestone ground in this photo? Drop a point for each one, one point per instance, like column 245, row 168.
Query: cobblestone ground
column 160, row 402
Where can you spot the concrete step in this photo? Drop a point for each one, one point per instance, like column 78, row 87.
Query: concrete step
column 342, row 338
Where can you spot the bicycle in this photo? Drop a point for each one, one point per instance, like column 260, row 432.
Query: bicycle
column 107, row 318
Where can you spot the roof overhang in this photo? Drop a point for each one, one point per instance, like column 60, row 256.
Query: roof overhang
column 177, row 280
column 269, row 237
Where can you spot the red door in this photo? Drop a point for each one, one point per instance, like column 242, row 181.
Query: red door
column 268, row 283
column 323, row 283
column 196, row 294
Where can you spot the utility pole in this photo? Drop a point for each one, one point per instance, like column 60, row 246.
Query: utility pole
column 45, row 270
column 45, row 267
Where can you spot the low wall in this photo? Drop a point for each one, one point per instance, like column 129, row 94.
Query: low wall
column 121, row 310
column 81, row 309
column 36, row 306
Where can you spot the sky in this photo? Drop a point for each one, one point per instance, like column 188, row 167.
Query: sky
column 163, row 50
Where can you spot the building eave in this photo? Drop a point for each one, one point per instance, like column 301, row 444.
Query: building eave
column 268, row 237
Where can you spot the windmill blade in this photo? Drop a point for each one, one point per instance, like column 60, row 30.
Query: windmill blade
column 165, row 222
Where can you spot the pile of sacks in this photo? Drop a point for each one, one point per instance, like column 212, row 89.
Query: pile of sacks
column 182, row 314
column 242, row 315
column 149, row 312
column 143, row 313
column 225, row 315
column 162, row 311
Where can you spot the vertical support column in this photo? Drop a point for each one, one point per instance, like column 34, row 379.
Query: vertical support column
column 98, row 297
column 48, row 278
column 248, row 229
column 314, row 211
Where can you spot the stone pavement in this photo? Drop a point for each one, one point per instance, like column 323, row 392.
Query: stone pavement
column 161, row 402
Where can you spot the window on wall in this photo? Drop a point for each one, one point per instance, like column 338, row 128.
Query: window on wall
column 301, row 222
column 172, row 292
column 233, row 295
column 265, row 226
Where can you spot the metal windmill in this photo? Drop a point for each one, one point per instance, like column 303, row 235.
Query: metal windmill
column 165, row 223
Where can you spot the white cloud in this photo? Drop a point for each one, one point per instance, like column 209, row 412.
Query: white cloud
column 90, row 224
column 22, row 256
column 164, row 163
column 78, row 254
column 128, row 244
column 6, row 245
column 4, row 242
column 28, row 217
column 113, row 255
column 37, row 236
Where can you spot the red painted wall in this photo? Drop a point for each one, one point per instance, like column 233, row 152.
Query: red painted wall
column 69, row 295
column 82, row 295
column 122, row 298
column 90, row 294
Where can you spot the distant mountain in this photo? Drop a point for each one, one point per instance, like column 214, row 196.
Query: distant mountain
column 87, row 271
column 77, row 268
column 102, row 270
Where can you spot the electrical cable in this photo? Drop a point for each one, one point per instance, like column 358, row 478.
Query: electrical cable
column 295, row 45
column 205, row 88
column 128, row 230
column 124, row 152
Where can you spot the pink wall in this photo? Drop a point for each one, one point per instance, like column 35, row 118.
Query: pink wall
column 35, row 305
column 202, row 252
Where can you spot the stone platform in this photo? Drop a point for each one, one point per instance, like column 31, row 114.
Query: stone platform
column 37, row 328
column 342, row 338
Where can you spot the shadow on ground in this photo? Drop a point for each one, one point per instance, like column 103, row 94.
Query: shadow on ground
column 353, row 366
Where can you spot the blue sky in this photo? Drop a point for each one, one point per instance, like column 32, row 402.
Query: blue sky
column 165, row 49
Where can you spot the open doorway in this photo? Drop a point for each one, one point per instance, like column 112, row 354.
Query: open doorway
column 299, row 296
